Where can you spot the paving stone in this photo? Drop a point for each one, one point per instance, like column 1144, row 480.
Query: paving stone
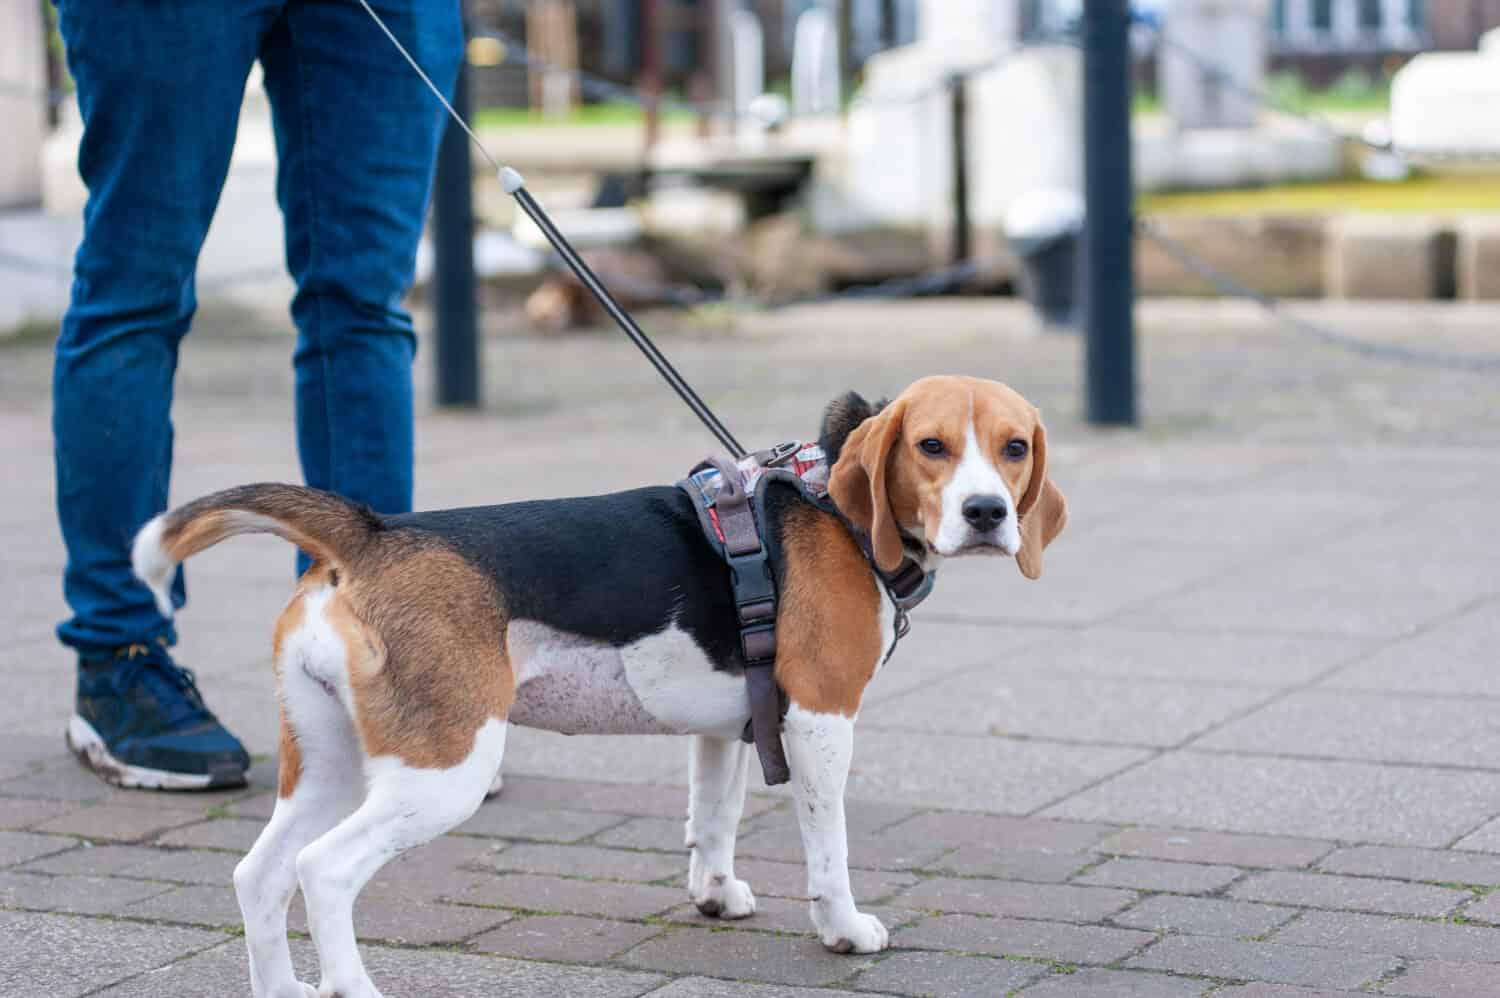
column 657, row 834
column 1155, row 875
column 1485, row 838
column 258, row 806
column 1012, row 864
column 753, row 956
column 778, row 838
column 527, row 792
column 1011, row 702
column 1456, row 657
column 1204, row 917
column 768, row 878
column 381, row 915
column 704, row 987
column 1055, row 902
column 18, row 847
column 1270, row 660
column 185, row 866
column 428, row 973
column 448, row 867
column 232, row 834
column 1018, row 937
column 1393, row 897
column 1435, row 865
column 73, row 895
column 1115, row 984
column 998, row 775
column 1440, row 979
column 784, row 915
column 1279, row 991
column 1399, row 936
column 61, row 956
column 941, row 975
column 1355, row 801
column 115, row 822
column 1486, row 909
column 1381, row 727
column 1273, row 962
column 564, row 938
column 574, row 897
column 193, row 905
column 543, row 824
column 588, row 861
column 22, row 812
column 1215, row 847
column 1243, row 603
column 997, row 832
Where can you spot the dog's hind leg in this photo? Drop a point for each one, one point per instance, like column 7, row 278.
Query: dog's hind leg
column 717, row 799
column 406, row 807
column 321, row 781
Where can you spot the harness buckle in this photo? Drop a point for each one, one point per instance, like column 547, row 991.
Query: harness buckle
column 758, row 643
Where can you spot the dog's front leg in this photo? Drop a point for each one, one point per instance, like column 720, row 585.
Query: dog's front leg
column 717, row 799
column 819, row 748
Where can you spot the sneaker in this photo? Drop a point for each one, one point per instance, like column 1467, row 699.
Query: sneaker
column 141, row 722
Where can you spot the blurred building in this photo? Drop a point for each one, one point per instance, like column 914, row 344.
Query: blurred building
column 1323, row 39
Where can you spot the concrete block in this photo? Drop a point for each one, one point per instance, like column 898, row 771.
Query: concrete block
column 1279, row 255
column 1204, row 917
column 754, row 955
column 1390, row 256
column 1400, row 936
column 1393, row 897
column 1056, row 902
column 1155, row 875
column 940, row 974
column 1479, row 258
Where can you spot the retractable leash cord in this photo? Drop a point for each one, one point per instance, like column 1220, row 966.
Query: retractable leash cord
column 515, row 186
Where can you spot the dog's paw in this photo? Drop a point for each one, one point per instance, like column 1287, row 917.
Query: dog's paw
column 725, row 897
column 496, row 785
column 858, row 933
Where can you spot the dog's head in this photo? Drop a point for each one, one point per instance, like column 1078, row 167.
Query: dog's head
column 952, row 466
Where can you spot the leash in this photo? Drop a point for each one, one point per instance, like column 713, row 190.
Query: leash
column 515, row 185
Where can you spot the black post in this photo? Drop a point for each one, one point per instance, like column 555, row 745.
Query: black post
column 456, row 346
column 1109, row 294
column 960, row 109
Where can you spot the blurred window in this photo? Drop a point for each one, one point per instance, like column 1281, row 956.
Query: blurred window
column 1322, row 16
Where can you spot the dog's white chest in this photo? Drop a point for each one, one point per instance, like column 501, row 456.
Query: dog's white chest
column 663, row 683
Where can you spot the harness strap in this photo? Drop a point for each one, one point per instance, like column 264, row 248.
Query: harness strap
column 732, row 515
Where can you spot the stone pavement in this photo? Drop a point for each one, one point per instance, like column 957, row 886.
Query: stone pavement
column 1239, row 740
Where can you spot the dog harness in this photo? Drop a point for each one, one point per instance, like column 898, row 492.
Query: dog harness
column 730, row 500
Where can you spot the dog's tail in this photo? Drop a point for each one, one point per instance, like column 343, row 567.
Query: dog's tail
column 324, row 525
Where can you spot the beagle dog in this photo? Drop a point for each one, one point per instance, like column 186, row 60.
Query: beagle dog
column 414, row 641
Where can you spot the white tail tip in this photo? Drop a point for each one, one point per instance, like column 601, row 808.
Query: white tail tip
column 152, row 564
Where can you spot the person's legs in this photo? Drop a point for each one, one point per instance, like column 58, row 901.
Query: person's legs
column 357, row 135
column 159, row 88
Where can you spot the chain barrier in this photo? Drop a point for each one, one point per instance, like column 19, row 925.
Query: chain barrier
column 1231, row 287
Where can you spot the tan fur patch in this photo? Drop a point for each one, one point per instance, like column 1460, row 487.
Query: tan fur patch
column 828, row 630
column 183, row 539
column 288, row 756
column 426, row 650
column 288, row 761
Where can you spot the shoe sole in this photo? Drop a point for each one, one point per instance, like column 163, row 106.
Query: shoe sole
column 89, row 747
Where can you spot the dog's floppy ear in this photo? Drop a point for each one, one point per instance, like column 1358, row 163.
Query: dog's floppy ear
column 1043, row 509
column 857, row 482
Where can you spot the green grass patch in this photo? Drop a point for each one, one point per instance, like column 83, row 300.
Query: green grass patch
column 1451, row 194
column 618, row 113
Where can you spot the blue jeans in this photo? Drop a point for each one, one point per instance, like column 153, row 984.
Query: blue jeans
column 160, row 86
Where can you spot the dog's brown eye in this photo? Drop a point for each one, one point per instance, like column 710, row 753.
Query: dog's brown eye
column 1015, row 450
column 932, row 445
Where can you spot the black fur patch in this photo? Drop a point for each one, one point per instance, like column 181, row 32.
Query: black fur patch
column 841, row 417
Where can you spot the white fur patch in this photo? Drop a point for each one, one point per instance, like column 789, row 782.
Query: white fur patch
column 663, row 683
column 152, row 565
column 976, row 475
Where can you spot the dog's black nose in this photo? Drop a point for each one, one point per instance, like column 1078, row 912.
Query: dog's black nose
column 985, row 512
